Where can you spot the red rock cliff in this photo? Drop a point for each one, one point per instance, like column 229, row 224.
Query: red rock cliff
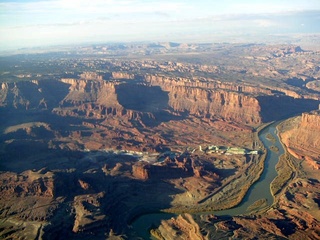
column 230, row 106
column 303, row 139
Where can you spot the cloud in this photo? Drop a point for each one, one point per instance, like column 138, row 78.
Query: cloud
column 265, row 23
column 90, row 6
column 58, row 21
column 67, row 13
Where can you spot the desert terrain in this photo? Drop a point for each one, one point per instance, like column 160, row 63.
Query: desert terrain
column 95, row 137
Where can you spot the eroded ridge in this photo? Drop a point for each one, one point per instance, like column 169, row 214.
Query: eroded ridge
column 101, row 140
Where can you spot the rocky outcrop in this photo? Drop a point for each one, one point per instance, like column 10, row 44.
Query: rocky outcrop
column 140, row 171
column 90, row 91
column 172, row 168
column 314, row 85
column 229, row 106
column 28, row 183
column 285, row 50
column 98, row 97
column 153, row 98
column 122, row 75
column 91, row 76
column 182, row 227
column 302, row 140
column 169, row 168
column 89, row 215
column 28, row 196
column 32, row 94
column 167, row 82
column 287, row 223
column 212, row 99
column 232, row 102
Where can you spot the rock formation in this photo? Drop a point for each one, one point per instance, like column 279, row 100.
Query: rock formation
column 89, row 215
column 182, row 227
column 29, row 195
column 91, row 96
column 85, row 153
column 230, row 106
column 314, row 85
column 302, row 139
column 140, row 171
column 32, row 95
column 122, row 75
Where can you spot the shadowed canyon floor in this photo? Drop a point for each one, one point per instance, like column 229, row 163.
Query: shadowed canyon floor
column 89, row 143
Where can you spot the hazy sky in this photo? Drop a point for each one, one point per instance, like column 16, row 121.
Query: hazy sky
column 28, row 23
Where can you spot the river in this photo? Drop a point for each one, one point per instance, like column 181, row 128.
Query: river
column 259, row 190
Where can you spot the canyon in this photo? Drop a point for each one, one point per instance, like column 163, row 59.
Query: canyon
column 89, row 147
column 301, row 137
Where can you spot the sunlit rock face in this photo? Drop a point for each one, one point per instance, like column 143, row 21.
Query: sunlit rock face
column 302, row 139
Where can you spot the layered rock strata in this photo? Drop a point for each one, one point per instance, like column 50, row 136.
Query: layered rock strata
column 302, row 140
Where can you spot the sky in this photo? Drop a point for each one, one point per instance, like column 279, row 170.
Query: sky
column 33, row 23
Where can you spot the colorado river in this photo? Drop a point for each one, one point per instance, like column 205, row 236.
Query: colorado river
column 259, row 190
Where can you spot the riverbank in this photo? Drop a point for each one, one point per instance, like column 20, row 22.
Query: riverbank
column 285, row 167
column 234, row 190
column 254, row 194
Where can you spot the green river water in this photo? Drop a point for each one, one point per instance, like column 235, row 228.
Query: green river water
column 259, row 190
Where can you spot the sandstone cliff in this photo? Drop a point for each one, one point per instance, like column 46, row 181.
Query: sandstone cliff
column 302, row 139
column 102, row 98
column 232, row 102
column 153, row 99
column 28, row 183
column 90, row 91
column 212, row 99
column 28, row 196
column 167, row 82
column 140, row 171
column 182, row 227
column 91, row 76
column 88, row 212
column 122, row 75
column 229, row 106
column 32, row 94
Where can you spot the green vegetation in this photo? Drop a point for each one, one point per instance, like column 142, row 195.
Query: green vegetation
column 237, row 190
column 257, row 205
column 270, row 138
column 274, row 148
column 285, row 173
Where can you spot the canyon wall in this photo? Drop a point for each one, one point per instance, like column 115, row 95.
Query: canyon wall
column 302, row 140
column 167, row 82
column 212, row 99
column 91, row 91
column 32, row 94
column 203, row 102
column 229, row 106
column 94, row 97
column 122, row 75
